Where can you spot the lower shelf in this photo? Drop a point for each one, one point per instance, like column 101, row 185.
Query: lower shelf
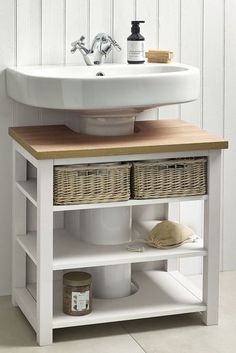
column 160, row 294
column 69, row 252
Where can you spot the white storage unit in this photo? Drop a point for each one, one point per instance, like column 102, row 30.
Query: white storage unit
column 155, row 293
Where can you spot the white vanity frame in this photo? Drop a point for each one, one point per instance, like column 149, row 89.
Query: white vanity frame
column 40, row 249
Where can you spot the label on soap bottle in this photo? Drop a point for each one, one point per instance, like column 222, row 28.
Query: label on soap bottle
column 135, row 50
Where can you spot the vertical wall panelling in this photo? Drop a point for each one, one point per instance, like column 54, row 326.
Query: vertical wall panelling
column 28, row 32
column 52, row 117
column 191, row 32
column 191, row 50
column 124, row 13
column 24, row 115
column 213, row 66
column 101, row 19
column 229, row 258
column 213, row 70
column 7, row 57
column 77, row 24
column 169, row 38
column 150, row 31
column 53, row 46
column 53, row 31
column 150, row 15
column 28, row 51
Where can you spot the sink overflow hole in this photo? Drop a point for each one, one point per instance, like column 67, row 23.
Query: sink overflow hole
column 100, row 74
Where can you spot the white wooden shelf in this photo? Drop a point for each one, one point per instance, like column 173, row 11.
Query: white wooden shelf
column 127, row 203
column 69, row 252
column 28, row 243
column 159, row 293
column 29, row 189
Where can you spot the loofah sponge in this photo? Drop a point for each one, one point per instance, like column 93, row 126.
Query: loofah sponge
column 169, row 234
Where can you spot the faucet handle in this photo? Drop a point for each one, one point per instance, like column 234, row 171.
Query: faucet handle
column 81, row 40
column 79, row 44
column 115, row 44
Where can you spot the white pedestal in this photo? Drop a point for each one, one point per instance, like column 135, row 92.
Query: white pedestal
column 108, row 227
column 107, row 126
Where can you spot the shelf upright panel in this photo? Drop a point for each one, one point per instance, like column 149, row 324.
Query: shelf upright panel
column 173, row 214
column 29, row 189
column 44, row 252
column 18, row 225
column 212, row 230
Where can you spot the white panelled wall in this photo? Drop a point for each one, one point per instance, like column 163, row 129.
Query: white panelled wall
column 200, row 32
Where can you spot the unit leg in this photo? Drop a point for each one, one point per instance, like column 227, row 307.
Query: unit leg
column 44, row 252
column 19, row 225
column 212, row 226
column 172, row 212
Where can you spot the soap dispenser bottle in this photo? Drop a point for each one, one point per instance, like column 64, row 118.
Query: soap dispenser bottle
column 135, row 45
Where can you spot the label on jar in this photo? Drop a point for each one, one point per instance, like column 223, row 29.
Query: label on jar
column 135, row 50
column 80, row 301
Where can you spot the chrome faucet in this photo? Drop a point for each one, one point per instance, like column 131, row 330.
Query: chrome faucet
column 101, row 46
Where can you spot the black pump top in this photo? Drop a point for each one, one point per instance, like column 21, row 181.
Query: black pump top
column 135, row 29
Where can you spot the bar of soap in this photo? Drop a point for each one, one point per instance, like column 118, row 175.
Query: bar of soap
column 169, row 234
column 163, row 56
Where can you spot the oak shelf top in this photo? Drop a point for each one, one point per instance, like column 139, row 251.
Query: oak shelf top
column 59, row 141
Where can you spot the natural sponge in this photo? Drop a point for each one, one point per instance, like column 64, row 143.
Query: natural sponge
column 169, row 234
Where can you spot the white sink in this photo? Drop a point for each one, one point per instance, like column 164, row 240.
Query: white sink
column 123, row 86
column 123, row 91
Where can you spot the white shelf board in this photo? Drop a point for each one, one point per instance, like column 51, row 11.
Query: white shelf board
column 26, row 302
column 69, row 252
column 29, row 189
column 159, row 294
column 127, row 203
column 194, row 287
column 28, row 243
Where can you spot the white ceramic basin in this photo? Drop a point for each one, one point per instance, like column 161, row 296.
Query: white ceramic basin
column 110, row 102
column 124, row 87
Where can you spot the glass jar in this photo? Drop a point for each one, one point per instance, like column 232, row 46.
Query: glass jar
column 77, row 296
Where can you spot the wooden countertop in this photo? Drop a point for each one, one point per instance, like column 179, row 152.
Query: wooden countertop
column 53, row 142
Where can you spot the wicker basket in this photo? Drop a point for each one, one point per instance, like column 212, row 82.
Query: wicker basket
column 169, row 178
column 91, row 184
